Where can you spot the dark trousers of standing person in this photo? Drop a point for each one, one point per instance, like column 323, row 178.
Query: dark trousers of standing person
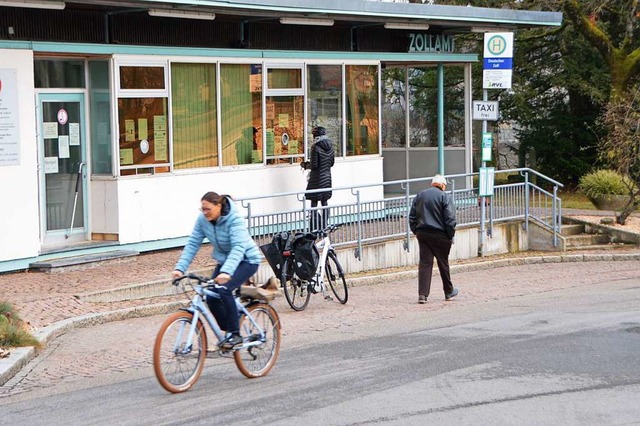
column 319, row 218
column 224, row 309
column 433, row 244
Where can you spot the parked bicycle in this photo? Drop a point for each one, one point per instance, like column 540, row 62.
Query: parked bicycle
column 298, row 290
column 182, row 344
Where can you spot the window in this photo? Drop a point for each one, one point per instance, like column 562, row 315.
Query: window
column 193, row 115
column 101, row 149
column 423, row 101
column 394, row 107
column 241, row 110
column 143, row 123
column 324, row 102
column 362, row 109
column 141, row 78
column 59, row 73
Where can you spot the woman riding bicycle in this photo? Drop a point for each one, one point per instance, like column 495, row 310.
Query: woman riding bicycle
column 235, row 252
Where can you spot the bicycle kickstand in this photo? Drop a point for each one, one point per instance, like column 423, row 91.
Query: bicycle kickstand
column 326, row 294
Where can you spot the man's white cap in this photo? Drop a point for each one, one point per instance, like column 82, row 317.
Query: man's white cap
column 439, row 179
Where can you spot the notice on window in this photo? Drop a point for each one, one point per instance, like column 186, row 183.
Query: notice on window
column 74, row 134
column 160, row 137
column 126, row 156
column 271, row 111
column 143, row 133
column 50, row 165
column 130, row 130
column 255, row 79
column 283, row 120
column 63, row 147
column 50, row 130
column 9, row 136
column 293, row 147
column 270, row 140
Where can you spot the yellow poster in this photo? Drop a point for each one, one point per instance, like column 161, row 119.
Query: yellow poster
column 283, row 120
column 130, row 130
column 160, row 146
column 126, row 156
column 142, row 129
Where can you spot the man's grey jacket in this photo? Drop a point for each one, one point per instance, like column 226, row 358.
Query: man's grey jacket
column 432, row 210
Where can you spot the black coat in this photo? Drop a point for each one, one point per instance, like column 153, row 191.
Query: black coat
column 320, row 162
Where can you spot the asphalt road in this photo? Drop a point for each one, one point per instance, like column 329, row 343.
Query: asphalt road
column 563, row 352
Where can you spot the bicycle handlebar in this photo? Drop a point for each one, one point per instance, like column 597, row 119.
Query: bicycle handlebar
column 327, row 230
column 201, row 279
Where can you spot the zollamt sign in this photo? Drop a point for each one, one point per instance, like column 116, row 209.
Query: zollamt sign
column 430, row 43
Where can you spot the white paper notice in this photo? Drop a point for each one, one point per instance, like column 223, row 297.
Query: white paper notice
column 50, row 165
column 63, row 147
column 50, row 130
column 74, row 134
column 142, row 129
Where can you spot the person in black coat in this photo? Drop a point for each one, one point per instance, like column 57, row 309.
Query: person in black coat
column 321, row 160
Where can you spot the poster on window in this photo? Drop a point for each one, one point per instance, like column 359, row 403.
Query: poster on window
column 160, row 137
column 9, row 136
column 255, row 79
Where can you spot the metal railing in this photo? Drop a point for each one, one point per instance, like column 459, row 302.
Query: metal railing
column 370, row 216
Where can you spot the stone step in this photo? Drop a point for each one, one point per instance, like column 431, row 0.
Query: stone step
column 85, row 261
column 610, row 246
column 587, row 240
column 572, row 229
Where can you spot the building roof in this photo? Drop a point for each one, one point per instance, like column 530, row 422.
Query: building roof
column 361, row 12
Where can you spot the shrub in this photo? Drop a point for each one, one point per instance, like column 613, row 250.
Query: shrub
column 604, row 182
column 13, row 331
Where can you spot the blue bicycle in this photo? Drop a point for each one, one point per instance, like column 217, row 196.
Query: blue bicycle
column 182, row 346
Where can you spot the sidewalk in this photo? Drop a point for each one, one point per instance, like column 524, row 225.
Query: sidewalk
column 50, row 302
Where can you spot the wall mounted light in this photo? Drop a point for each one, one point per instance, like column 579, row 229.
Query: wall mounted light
column 406, row 26
column 488, row 30
column 57, row 5
column 307, row 21
column 163, row 13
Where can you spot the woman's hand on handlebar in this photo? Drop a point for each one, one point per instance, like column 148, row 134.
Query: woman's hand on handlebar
column 222, row 278
column 175, row 274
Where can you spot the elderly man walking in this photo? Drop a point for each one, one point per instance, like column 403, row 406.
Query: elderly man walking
column 433, row 220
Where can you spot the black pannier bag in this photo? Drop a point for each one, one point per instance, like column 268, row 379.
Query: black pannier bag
column 273, row 252
column 305, row 256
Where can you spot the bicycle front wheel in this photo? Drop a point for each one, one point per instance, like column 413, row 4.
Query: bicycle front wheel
column 177, row 364
column 296, row 291
column 257, row 361
column 335, row 276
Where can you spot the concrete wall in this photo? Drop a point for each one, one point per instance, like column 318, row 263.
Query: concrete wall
column 507, row 237
column 19, row 216
column 166, row 206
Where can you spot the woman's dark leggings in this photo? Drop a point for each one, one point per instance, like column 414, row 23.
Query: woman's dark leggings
column 318, row 219
column 224, row 309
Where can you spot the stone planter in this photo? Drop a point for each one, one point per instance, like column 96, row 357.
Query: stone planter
column 609, row 202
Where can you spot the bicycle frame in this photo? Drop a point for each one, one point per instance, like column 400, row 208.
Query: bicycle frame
column 198, row 307
column 324, row 246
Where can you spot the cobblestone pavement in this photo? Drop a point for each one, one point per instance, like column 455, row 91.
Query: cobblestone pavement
column 122, row 349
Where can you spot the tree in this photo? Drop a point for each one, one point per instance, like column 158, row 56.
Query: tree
column 621, row 148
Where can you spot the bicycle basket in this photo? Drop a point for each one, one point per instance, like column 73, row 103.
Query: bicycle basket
column 305, row 255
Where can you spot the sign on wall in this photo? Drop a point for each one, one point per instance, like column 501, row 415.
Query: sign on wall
column 498, row 61
column 9, row 135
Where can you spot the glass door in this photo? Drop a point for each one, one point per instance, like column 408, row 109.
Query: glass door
column 63, row 206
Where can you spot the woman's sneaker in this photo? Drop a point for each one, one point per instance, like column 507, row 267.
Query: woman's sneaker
column 422, row 299
column 231, row 340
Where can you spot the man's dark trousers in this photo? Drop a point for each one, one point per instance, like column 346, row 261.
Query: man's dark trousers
column 433, row 243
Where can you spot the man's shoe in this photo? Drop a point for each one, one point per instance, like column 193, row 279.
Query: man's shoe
column 422, row 299
column 231, row 341
column 454, row 293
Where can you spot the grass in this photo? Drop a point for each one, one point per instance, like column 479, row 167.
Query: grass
column 13, row 332
column 575, row 200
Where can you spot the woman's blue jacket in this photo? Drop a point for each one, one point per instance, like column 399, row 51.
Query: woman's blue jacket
column 229, row 237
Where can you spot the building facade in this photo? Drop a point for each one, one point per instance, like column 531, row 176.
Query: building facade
column 115, row 117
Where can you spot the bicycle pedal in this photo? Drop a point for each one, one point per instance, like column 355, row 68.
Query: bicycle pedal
column 328, row 298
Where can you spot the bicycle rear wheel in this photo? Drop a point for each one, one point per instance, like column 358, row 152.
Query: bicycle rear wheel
column 178, row 366
column 335, row 276
column 296, row 291
column 257, row 361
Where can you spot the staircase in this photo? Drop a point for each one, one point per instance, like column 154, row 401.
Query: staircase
column 580, row 235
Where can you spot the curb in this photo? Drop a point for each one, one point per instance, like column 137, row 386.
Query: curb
column 19, row 357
